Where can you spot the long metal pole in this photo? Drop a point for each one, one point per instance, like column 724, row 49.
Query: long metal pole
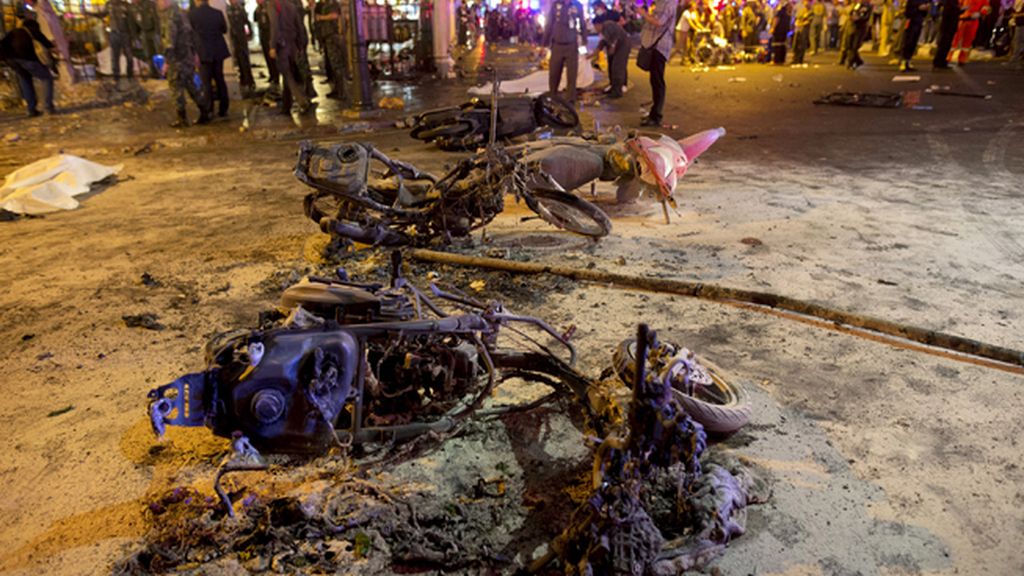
column 363, row 94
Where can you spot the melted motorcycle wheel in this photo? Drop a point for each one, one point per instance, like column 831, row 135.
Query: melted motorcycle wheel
column 722, row 408
column 568, row 212
column 554, row 111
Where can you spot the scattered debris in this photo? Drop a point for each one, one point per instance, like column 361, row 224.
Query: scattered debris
column 906, row 78
column 777, row 77
column 11, row 137
column 864, row 99
column 44, row 356
column 751, row 241
column 60, row 411
column 947, row 92
column 147, row 279
column 391, row 103
column 887, row 282
column 148, row 320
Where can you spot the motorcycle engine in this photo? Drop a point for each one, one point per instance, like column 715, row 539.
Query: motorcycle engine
column 417, row 378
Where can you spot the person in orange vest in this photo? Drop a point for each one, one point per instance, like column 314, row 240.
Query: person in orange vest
column 971, row 12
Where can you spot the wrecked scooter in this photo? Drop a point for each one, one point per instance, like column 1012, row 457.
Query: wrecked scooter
column 355, row 363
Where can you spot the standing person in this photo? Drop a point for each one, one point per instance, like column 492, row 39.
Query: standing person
column 656, row 35
column 914, row 11
column 817, row 25
column 211, row 26
column 780, row 31
column 562, row 35
column 285, row 43
column 305, row 75
column 240, row 34
column 18, row 50
column 802, row 36
column 615, row 41
column 948, row 23
column 180, row 62
column 748, row 24
column 327, row 19
column 885, row 26
column 149, row 32
column 831, row 25
column 857, row 23
column 1016, row 19
column 262, row 19
column 121, row 24
column 970, row 17
column 682, row 46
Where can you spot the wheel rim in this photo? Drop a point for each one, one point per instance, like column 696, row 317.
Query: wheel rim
column 719, row 392
column 569, row 217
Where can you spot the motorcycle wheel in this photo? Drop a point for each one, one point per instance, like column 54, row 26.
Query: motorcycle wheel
column 553, row 111
column 568, row 212
column 457, row 129
column 722, row 408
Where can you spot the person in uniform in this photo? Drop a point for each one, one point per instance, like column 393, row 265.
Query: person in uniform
column 262, row 19
column 180, row 62
column 149, row 31
column 615, row 42
column 121, row 23
column 240, row 33
column 327, row 20
column 915, row 11
column 562, row 35
column 971, row 13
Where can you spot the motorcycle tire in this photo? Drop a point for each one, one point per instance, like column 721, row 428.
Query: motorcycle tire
column 568, row 212
column 553, row 111
column 722, row 411
column 456, row 129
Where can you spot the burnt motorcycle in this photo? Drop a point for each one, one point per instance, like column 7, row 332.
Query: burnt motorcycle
column 467, row 126
column 401, row 205
column 352, row 363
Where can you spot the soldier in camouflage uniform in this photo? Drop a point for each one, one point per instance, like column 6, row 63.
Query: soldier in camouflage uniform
column 180, row 61
column 240, row 32
column 328, row 20
column 149, row 31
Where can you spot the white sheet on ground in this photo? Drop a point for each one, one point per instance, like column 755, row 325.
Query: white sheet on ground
column 104, row 64
column 537, row 82
column 51, row 184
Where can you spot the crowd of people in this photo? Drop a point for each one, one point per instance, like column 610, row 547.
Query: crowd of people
column 786, row 31
column 181, row 45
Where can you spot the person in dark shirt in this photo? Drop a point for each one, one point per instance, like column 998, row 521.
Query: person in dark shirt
column 211, row 26
column 17, row 49
column 615, row 42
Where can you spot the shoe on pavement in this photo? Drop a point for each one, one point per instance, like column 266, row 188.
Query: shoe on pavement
column 34, row 113
column 648, row 121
